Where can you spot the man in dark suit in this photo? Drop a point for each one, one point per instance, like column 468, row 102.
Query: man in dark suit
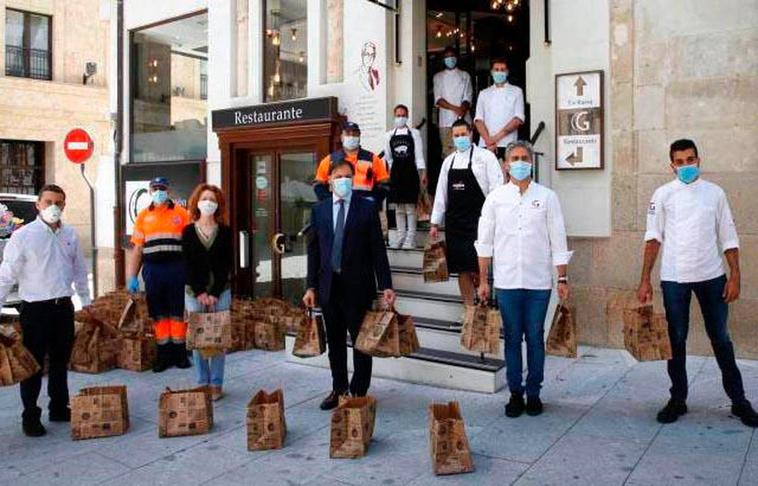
column 346, row 258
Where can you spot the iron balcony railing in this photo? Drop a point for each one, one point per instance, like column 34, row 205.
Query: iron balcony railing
column 27, row 63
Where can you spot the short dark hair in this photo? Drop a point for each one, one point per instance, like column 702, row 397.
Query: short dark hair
column 461, row 122
column 498, row 60
column 682, row 144
column 51, row 188
column 400, row 105
column 450, row 49
column 341, row 163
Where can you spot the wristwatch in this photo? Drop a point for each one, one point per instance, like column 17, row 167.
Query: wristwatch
column 563, row 279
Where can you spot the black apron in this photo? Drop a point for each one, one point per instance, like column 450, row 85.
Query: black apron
column 464, row 206
column 404, row 180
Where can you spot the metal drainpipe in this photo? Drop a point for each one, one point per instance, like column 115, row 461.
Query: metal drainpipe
column 118, row 146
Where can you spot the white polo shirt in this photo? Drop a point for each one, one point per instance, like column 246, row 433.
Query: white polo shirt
column 694, row 223
column 454, row 85
column 524, row 234
column 496, row 107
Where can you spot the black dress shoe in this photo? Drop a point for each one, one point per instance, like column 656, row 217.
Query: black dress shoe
column 533, row 406
column 33, row 428
column 672, row 411
column 61, row 415
column 746, row 413
column 331, row 401
column 515, row 406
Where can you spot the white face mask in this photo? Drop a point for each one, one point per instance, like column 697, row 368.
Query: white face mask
column 207, row 207
column 51, row 214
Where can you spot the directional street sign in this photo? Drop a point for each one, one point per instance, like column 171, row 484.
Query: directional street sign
column 579, row 121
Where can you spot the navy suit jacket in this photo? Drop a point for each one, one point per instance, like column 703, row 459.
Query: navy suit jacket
column 364, row 255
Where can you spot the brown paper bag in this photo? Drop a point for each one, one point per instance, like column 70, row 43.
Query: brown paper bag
column 562, row 339
column 269, row 335
column 136, row 353
column 266, row 426
column 448, row 443
column 379, row 335
column 481, row 329
column 646, row 334
column 311, row 336
column 352, row 427
column 424, row 206
column 95, row 348
column 134, row 319
column 185, row 412
column 435, row 262
column 16, row 362
column 209, row 330
column 408, row 339
column 99, row 411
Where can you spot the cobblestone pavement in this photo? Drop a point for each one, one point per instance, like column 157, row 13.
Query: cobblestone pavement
column 598, row 428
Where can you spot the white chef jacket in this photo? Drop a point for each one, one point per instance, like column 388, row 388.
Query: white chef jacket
column 417, row 142
column 496, row 107
column 485, row 167
column 454, row 85
column 44, row 263
column 525, row 235
column 691, row 221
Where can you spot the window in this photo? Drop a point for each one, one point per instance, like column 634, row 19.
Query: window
column 169, row 91
column 28, row 50
column 22, row 166
column 285, row 61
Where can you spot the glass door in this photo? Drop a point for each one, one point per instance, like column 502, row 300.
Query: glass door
column 262, row 222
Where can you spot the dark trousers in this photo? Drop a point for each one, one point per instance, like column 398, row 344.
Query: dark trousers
column 676, row 300
column 342, row 316
column 48, row 329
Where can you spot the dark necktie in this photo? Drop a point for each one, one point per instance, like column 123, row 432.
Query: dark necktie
column 339, row 233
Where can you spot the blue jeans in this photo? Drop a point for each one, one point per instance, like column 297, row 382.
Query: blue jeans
column 209, row 371
column 676, row 300
column 524, row 312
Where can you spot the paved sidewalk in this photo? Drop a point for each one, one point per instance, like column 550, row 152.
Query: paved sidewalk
column 598, row 428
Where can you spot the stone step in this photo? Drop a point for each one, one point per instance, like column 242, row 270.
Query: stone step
column 412, row 279
column 428, row 305
column 406, row 258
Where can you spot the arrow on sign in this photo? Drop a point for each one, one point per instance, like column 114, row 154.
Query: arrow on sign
column 580, row 83
column 576, row 158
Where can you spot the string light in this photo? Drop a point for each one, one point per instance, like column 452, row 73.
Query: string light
column 294, row 35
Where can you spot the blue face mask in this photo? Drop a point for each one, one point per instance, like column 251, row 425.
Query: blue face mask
column 520, row 170
column 351, row 143
column 401, row 121
column 342, row 187
column 499, row 76
column 159, row 197
column 451, row 62
column 688, row 173
column 462, row 143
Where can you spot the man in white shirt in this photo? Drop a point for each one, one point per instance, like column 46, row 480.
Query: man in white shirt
column 44, row 258
column 404, row 153
column 452, row 95
column 499, row 111
column 467, row 176
column 691, row 219
column 522, row 228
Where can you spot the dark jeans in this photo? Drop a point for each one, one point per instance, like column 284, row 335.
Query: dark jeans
column 342, row 315
column 676, row 300
column 48, row 329
column 524, row 312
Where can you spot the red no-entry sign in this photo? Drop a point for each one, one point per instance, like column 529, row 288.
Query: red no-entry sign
column 78, row 146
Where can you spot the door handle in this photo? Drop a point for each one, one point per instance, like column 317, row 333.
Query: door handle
column 278, row 243
column 244, row 244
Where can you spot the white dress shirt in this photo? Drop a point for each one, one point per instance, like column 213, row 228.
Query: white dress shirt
column 496, row 107
column 454, row 86
column 336, row 209
column 525, row 235
column 485, row 167
column 692, row 221
column 418, row 146
column 44, row 263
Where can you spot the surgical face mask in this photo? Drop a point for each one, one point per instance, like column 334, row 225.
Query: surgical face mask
column 462, row 143
column 499, row 76
column 342, row 186
column 159, row 197
column 401, row 121
column 207, row 207
column 520, row 170
column 51, row 214
column 451, row 62
column 688, row 173
column 351, row 142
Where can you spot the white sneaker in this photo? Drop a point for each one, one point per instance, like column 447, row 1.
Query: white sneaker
column 409, row 243
column 397, row 242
